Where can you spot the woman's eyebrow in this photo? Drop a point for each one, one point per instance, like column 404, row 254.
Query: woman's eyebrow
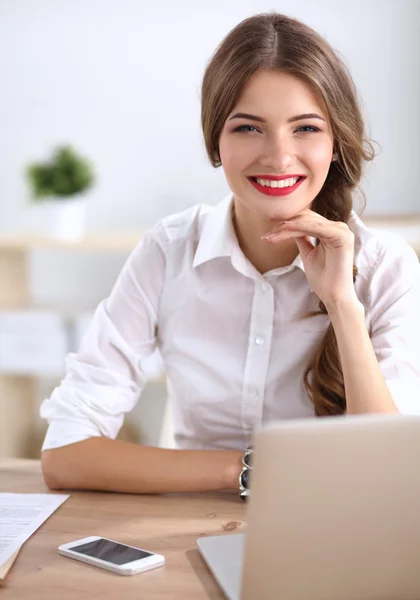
column 261, row 120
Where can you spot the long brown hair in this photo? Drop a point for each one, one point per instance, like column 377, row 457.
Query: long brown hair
column 275, row 42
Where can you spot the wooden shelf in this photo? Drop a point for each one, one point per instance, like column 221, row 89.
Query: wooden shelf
column 95, row 242
column 408, row 226
column 18, row 402
column 396, row 220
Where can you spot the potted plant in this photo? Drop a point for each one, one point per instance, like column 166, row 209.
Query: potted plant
column 59, row 186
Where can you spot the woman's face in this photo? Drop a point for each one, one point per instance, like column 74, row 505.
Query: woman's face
column 276, row 139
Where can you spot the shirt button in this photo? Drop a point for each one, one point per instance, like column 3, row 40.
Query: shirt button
column 265, row 287
column 253, row 392
column 258, row 340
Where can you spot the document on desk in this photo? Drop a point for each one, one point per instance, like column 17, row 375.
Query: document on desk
column 21, row 515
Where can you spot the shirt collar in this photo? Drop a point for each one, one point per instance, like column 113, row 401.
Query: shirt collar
column 218, row 238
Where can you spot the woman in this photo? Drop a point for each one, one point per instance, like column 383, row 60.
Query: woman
column 230, row 294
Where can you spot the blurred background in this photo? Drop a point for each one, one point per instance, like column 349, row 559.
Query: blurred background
column 107, row 92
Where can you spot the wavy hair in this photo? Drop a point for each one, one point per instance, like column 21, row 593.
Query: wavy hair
column 276, row 42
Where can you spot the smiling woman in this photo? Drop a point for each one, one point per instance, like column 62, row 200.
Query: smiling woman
column 281, row 116
column 223, row 291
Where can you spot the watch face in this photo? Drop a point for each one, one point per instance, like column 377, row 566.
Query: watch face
column 245, row 478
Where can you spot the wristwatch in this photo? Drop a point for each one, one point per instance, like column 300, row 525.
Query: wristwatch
column 245, row 475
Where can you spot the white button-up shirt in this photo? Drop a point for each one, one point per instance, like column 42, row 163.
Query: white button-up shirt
column 233, row 341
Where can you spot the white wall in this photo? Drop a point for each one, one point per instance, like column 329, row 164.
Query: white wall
column 120, row 79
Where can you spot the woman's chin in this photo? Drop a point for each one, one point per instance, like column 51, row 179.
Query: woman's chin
column 276, row 216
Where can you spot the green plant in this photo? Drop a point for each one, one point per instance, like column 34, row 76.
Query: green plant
column 66, row 174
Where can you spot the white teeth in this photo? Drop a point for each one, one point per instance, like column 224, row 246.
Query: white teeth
column 278, row 184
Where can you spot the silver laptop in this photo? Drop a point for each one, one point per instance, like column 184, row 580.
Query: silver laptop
column 334, row 514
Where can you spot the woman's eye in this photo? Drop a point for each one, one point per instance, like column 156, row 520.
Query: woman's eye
column 308, row 128
column 251, row 128
column 245, row 128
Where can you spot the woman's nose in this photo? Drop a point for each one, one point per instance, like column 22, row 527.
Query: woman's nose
column 278, row 154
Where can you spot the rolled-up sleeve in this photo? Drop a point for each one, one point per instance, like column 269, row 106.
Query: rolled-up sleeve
column 395, row 322
column 104, row 379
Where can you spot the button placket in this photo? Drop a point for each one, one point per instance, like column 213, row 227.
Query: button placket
column 258, row 356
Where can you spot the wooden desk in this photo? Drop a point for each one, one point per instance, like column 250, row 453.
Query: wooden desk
column 167, row 524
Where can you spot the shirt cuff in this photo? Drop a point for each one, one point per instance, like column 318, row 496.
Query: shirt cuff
column 63, row 433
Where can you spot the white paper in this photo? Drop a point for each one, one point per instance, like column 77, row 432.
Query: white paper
column 21, row 515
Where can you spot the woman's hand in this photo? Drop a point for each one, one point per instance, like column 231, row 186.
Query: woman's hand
column 328, row 266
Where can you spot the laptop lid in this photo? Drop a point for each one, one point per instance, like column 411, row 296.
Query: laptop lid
column 334, row 511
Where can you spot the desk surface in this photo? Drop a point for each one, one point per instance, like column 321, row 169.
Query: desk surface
column 167, row 524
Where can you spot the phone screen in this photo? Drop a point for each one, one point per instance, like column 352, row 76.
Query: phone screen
column 112, row 552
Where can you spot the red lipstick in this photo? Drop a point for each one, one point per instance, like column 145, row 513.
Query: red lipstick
column 269, row 191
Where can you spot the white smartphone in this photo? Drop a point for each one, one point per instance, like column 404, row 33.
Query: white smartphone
column 112, row 556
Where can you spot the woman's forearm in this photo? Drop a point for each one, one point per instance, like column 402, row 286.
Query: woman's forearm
column 100, row 463
column 365, row 386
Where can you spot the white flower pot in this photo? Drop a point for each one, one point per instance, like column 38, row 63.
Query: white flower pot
column 62, row 218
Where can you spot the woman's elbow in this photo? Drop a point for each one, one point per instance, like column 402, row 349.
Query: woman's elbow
column 70, row 466
column 49, row 470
